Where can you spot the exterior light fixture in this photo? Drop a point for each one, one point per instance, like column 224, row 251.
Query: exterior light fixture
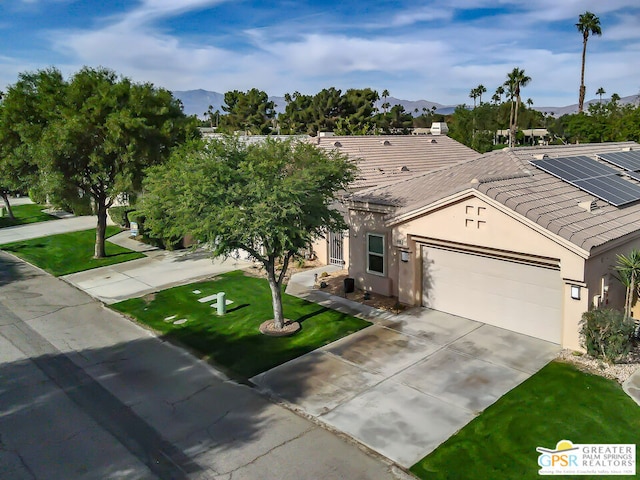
column 575, row 292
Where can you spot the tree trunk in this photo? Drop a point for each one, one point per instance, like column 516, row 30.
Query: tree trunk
column 276, row 294
column 101, row 229
column 515, row 118
column 7, row 205
column 582, row 87
column 511, row 128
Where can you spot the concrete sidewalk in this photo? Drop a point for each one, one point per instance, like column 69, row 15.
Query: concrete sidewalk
column 160, row 269
column 44, row 229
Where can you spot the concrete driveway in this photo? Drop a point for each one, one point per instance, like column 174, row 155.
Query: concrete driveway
column 404, row 386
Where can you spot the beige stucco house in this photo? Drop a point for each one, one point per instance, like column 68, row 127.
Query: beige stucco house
column 497, row 240
column 382, row 160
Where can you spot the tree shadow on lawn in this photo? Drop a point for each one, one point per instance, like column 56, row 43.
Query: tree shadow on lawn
column 310, row 315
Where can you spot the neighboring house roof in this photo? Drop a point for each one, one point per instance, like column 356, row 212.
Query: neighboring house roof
column 507, row 177
column 383, row 159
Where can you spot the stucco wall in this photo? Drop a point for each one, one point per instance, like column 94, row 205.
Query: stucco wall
column 470, row 221
column 361, row 223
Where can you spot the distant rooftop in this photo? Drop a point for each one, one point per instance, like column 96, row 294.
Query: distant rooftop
column 383, row 159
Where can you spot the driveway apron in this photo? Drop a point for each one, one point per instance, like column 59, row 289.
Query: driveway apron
column 404, row 386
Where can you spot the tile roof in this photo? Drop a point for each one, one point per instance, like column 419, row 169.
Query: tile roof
column 383, row 159
column 507, row 177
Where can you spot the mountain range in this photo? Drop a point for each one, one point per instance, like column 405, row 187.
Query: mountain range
column 196, row 102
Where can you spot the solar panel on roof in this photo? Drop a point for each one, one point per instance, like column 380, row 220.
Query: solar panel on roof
column 628, row 160
column 573, row 168
column 614, row 190
column 593, row 177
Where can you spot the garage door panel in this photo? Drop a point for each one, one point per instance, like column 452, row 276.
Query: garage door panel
column 508, row 294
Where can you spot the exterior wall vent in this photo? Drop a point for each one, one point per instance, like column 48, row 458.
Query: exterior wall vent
column 589, row 206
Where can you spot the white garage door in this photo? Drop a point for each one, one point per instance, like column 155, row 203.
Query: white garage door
column 516, row 296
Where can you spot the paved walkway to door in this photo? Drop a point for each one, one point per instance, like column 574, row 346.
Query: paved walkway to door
column 407, row 383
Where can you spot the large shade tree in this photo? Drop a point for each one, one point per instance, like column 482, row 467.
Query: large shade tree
column 588, row 24
column 270, row 199
column 94, row 134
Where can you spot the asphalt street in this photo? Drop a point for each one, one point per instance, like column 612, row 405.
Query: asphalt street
column 86, row 393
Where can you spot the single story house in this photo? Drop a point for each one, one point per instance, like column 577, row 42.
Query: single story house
column 524, row 239
column 384, row 159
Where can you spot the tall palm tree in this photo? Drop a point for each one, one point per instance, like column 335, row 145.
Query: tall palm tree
column 480, row 89
column 473, row 94
column 500, row 92
column 385, row 94
column 529, row 102
column 600, row 92
column 515, row 81
column 588, row 24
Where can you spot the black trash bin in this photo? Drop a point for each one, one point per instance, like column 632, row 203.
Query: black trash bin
column 349, row 285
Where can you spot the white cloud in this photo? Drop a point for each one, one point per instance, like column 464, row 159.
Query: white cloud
column 440, row 60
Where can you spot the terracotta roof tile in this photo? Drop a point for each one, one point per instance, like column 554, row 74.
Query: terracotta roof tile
column 384, row 159
column 507, row 177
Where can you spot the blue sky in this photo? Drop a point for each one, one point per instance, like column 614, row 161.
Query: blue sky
column 430, row 50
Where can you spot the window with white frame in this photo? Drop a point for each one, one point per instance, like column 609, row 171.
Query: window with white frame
column 375, row 253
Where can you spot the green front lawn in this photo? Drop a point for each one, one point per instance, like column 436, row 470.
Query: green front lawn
column 30, row 213
column 70, row 252
column 233, row 341
column 557, row 403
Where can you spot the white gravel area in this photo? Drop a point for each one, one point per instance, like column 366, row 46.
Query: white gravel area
column 618, row 371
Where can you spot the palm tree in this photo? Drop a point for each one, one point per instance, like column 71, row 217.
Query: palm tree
column 529, row 102
column 496, row 98
column 600, row 92
column 500, row 92
column 480, row 89
column 473, row 94
column 588, row 23
column 628, row 268
column 515, row 81
column 385, row 105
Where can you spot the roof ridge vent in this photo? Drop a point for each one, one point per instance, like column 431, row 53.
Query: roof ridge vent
column 589, row 206
column 540, row 156
column 627, row 149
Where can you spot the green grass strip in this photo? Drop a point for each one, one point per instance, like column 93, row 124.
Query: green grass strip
column 559, row 402
column 30, row 213
column 233, row 341
column 67, row 253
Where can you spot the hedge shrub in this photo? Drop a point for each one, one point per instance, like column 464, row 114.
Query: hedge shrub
column 119, row 215
column 607, row 334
